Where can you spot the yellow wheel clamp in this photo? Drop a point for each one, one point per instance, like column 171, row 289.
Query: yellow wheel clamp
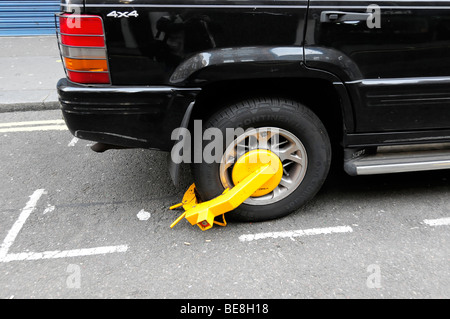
column 255, row 174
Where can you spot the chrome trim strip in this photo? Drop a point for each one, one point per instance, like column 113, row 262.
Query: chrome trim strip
column 386, row 163
column 401, row 81
column 403, row 168
column 95, row 72
column 84, row 58
column 83, row 35
column 127, row 90
column 80, row 47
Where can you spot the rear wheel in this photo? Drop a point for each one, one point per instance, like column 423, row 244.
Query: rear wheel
column 284, row 127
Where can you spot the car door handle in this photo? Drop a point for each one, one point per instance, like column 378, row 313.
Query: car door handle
column 340, row 16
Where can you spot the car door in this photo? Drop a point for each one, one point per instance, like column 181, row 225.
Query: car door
column 393, row 56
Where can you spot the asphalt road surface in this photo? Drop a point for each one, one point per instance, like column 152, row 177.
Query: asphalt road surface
column 76, row 224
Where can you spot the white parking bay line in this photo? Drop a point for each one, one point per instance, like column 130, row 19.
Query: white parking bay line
column 438, row 222
column 14, row 231
column 66, row 253
column 73, row 142
column 296, row 233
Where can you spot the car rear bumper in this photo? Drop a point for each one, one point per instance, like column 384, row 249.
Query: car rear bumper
column 142, row 117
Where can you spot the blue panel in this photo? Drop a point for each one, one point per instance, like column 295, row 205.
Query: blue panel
column 19, row 17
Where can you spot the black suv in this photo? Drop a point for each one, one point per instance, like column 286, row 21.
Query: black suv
column 365, row 80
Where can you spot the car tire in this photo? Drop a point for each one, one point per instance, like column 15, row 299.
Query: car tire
column 296, row 123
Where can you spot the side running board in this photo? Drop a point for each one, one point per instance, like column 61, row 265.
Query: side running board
column 399, row 159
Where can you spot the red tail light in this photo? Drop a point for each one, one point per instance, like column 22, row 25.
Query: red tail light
column 82, row 41
column 83, row 48
column 81, row 24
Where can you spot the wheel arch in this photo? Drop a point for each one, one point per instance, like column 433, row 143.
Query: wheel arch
column 228, row 74
column 325, row 98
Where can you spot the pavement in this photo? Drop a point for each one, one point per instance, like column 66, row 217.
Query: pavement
column 30, row 68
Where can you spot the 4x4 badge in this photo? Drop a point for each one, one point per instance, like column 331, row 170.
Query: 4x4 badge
column 118, row 14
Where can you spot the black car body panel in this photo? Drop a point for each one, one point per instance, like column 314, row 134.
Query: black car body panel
column 154, row 48
column 392, row 82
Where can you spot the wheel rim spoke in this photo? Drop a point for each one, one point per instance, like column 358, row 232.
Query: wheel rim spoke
column 286, row 182
column 241, row 149
column 253, row 143
column 263, row 139
column 286, row 153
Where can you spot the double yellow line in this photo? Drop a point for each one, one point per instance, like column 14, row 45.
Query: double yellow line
column 32, row 126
